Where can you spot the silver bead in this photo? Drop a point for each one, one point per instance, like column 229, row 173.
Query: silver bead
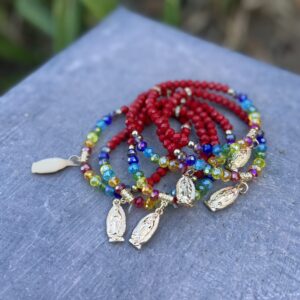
column 228, row 132
column 118, row 111
column 134, row 133
column 131, row 147
column 183, row 101
column 176, row 152
column 188, row 91
column 231, row 92
column 191, row 144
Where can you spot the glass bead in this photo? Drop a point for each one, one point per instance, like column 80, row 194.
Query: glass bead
column 207, row 169
column 246, row 104
column 138, row 174
column 261, row 140
column 163, row 162
column 88, row 175
column 114, row 181
column 107, row 175
column 226, row 175
column 133, row 168
column 230, row 138
column 259, row 162
column 154, row 158
column 93, row 137
column 131, row 152
column 221, row 160
column 190, row 160
column 95, row 181
column 109, row 191
column 200, row 164
column 107, row 119
column 207, row 183
column 217, row 150
column 148, row 152
column 225, row 149
column 173, row 165
column 101, row 124
column 216, row 173
column 103, row 155
column 133, row 159
column 213, row 161
column 207, row 148
column 89, row 144
column 141, row 146
column 147, row 189
column 261, row 148
column 98, row 131
column 235, row 147
column 149, row 204
column 142, row 181
column 138, row 202
column 261, row 154
column 105, row 168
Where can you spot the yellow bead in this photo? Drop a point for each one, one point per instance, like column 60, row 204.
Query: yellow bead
column 242, row 144
column 259, row 162
column 89, row 144
column 163, row 162
column 93, row 137
column 147, row 190
column 221, row 160
column 235, row 147
column 88, row 174
column 142, row 181
column 98, row 131
column 95, row 181
column 149, row 204
column 226, row 175
column 113, row 182
column 213, row 161
column 173, row 165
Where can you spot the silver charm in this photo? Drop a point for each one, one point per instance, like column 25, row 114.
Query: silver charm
column 239, row 158
column 116, row 222
column 54, row 164
column 222, row 198
column 144, row 230
column 185, row 191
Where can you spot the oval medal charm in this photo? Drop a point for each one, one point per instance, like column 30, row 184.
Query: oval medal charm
column 222, row 198
column 185, row 191
column 239, row 159
column 52, row 165
column 116, row 222
column 144, row 230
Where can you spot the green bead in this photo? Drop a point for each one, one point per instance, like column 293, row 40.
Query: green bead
column 137, row 175
column 216, row 173
column 95, row 181
column 105, row 168
column 259, row 162
column 225, row 149
column 98, row 131
column 102, row 186
column 207, row 170
column 142, row 181
column 260, row 154
column 198, row 195
column 155, row 158
column 235, row 147
column 93, row 137
column 221, row 160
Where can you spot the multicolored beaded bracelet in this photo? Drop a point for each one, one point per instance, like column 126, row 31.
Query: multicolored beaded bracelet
column 211, row 161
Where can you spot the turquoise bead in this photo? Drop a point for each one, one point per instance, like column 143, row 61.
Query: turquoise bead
column 261, row 148
column 207, row 183
column 101, row 124
column 200, row 164
column 217, row 150
column 207, row 169
column 107, row 175
column 148, row 152
column 133, row 168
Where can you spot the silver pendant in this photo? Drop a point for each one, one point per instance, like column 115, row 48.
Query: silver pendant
column 222, row 198
column 185, row 191
column 144, row 230
column 116, row 222
column 239, row 159
column 54, row 164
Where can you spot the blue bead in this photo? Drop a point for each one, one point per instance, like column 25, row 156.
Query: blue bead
column 201, row 188
column 103, row 155
column 242, row 97
column 107, row 120
column 103, row 161
column 141, row 146
column 101, row 124
column 246, row 104
column 116, row 195
column 207, row 183
column 107, row 175
column 132, row 159
column 190, row 160
column 131, row 152
column 148, row 152
column 230, row 138
column 207, row 148
column 200, row 164
column 261, row 140
column 133, row 168
column 173, row 192
column 261, row 148
column 109, row 191
column 217, row 150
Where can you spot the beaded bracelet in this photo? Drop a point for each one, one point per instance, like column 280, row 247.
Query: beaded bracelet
column 173, row 99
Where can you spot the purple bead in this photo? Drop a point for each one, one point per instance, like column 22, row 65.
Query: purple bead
column 230, row 138
column 190, row 160
column 248, row 140
column 198, row 148
column 254, row 126
column 141, row 146
column 132, row 159
column 242, row 97
column 86, row 149
column 154, row 194
column 207, row 148
column 253, row 172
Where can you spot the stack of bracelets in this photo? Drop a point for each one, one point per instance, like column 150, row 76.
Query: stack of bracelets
column 200, row 163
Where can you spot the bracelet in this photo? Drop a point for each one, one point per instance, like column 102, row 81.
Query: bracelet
column 200, row 161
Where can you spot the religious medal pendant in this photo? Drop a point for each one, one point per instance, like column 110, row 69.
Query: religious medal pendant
column 147, row 226
column 185, row 190
column 116, row 218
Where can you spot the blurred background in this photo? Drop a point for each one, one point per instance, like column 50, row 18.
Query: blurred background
column 31, row 31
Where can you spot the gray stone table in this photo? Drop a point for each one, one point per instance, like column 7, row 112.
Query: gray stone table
column 53, row 243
